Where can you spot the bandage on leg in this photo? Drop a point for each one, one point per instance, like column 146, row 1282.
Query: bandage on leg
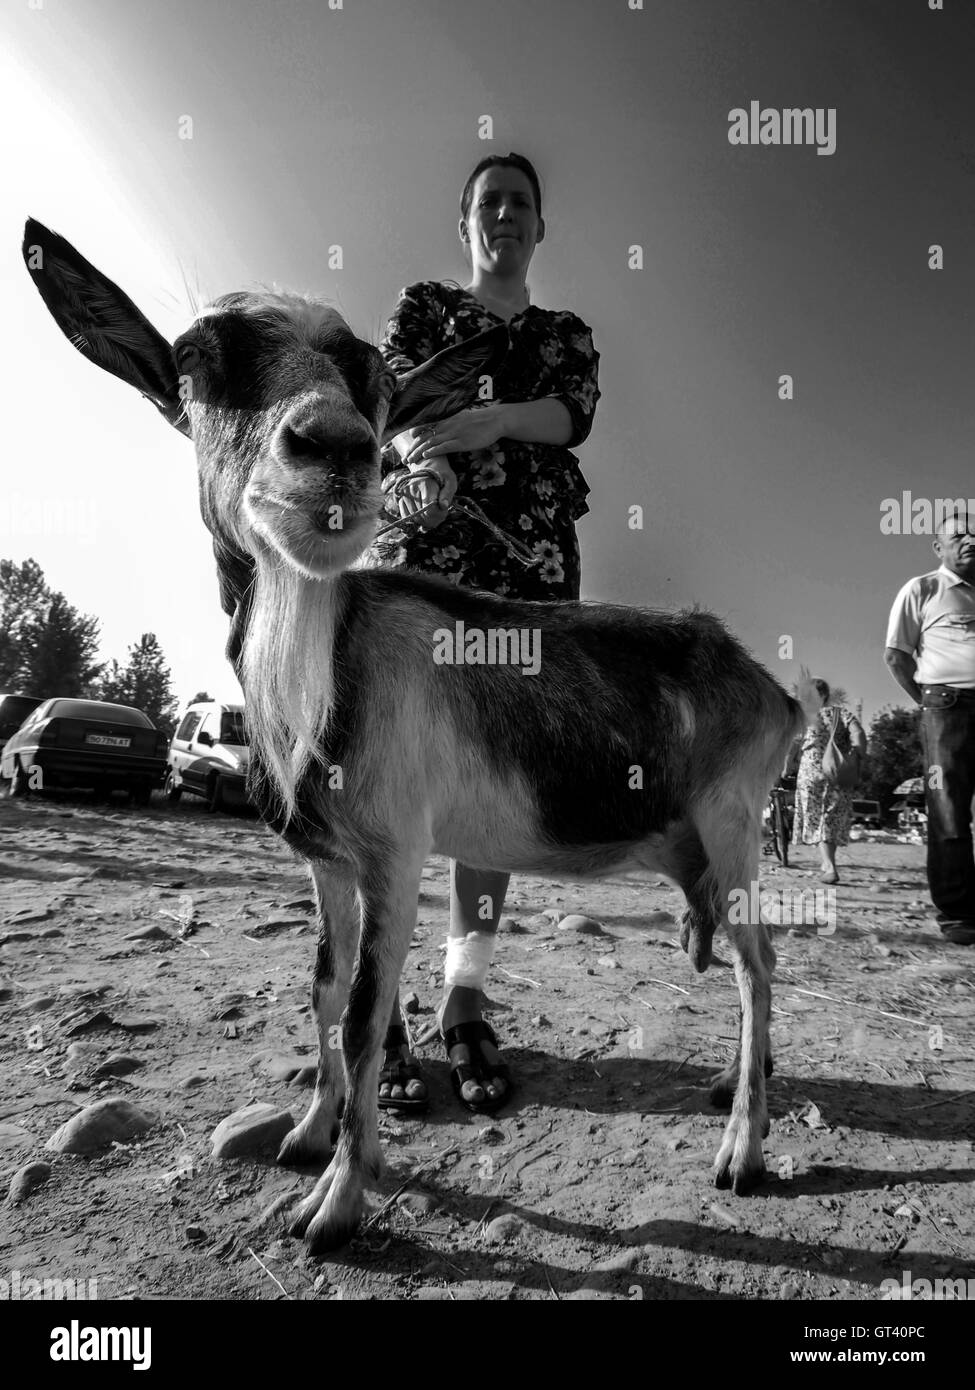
column 468, row 960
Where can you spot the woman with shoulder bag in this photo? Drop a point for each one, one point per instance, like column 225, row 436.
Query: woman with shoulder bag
column 828, row 772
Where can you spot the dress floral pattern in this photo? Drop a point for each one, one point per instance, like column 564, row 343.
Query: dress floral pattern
column 824, row 811
column 534, row 492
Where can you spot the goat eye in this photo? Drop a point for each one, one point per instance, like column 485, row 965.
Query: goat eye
column 188, row 356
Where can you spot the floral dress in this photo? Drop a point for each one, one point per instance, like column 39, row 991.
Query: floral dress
column 534, row 492
column 824, row 811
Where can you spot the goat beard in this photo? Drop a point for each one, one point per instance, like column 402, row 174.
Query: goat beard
column 287, row 672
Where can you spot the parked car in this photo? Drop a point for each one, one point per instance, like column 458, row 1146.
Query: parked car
column 911, row 813
column 208, row 755
column 85, row 743
column 867, row 813
column 14, row 709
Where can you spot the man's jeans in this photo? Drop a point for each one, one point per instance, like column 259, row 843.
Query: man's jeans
column 948, row 736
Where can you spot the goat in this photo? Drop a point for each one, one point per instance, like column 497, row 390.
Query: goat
column 646, row 740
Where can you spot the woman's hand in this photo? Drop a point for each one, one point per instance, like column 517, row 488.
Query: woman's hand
column 437, row 493
column 465, row 432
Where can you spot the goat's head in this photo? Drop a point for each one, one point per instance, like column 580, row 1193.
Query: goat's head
column 287, row 408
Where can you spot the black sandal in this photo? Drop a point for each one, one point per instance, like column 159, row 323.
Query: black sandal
column 471, row 1035
column 400, row 1073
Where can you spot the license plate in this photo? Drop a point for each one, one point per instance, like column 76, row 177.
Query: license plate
column 108, row 741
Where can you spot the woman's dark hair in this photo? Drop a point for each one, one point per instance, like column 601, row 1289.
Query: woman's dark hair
column 502, row 161
column 823, row 689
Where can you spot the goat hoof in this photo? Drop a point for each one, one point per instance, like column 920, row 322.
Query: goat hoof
column 302, row 1219
column 331, row 1237
column 299, row 1225
column 747, row 1179
column 722, row 1092
column 314, row 1203
column 722, row 1176
column 300, row 1148
column 333, row 1227
column 700, row 955
column 305, row 1215
column 741, row 1181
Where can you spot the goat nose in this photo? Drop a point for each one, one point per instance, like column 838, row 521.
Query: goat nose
column 311, row 442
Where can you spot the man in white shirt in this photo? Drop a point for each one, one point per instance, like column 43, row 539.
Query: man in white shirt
column 931, row 654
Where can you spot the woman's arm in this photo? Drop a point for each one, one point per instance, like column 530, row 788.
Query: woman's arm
column 858, row 739
column 793, row 758
column 535, row 422
column 563, row 417
column 547, row 421
column 412, row 335
column 573, row 376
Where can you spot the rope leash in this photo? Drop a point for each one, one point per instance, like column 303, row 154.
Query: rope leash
column 396, row 483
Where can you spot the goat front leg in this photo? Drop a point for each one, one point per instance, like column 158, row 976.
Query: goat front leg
column 313, row 1140
column 388, row 897
column 740, row 1163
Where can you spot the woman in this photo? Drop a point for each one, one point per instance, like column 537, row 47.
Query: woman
column 823, row 810
column 510, row 455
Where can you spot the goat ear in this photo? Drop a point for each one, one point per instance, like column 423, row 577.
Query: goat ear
column 102, row 322
column 446, row 383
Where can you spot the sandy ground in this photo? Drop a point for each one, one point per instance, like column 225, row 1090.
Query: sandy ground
column 601, row 1161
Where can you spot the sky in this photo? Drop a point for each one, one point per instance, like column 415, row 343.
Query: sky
column 313, row 126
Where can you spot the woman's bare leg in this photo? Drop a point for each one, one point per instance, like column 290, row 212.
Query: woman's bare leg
column 397, row 1057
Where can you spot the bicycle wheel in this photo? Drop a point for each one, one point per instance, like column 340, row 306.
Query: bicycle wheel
column 780, row 829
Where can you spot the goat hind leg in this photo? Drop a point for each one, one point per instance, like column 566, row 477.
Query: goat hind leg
column 314, row 1138
column 685, row 859
column 692, row 869
column 740, row 1163
column 725, row 1084
column 729, row 823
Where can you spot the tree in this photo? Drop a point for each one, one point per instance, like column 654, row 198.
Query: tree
column 202, row 698
column 62, row 658
column 144, row 681
column 113, row 685
column 23, row 597
column 46, row 646
column 894, row 753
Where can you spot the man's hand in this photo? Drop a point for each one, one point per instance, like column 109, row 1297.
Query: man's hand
column 465, row 432
column 902, row 667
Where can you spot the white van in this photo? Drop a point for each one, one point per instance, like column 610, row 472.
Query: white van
column 208, row 756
